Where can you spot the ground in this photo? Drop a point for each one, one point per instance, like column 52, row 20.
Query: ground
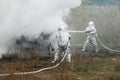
column 81, row 68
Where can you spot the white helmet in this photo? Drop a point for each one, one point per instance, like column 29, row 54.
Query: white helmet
column 61, row 28
column 91, row 23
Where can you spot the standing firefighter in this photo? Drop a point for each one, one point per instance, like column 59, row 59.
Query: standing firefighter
column 91, row 36
column 63, row 43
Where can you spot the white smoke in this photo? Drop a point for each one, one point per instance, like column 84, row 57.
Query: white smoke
column 30, row 17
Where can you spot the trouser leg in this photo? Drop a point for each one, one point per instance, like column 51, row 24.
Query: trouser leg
column 94, row 42
column 86, row 44
column 68, row 57
column 56, row 56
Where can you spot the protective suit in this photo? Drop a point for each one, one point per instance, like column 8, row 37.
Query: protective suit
column 91, row 36
column 63, row 40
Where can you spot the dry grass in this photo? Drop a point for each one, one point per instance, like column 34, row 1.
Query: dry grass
column 81, row 68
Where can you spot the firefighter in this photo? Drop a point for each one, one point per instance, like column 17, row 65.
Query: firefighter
column 63, row 43
column 91, row 36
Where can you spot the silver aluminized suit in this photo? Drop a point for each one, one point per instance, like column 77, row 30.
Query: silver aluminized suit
column 91, row 36
column 63, row 40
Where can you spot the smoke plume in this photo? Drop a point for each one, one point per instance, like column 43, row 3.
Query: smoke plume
column 31, row 17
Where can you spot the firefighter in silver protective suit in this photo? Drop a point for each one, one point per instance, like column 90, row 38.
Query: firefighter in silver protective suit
column 91, row 36
column 63, row 43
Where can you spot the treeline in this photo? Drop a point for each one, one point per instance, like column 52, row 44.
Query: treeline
column 106, row 19
column 100, row 2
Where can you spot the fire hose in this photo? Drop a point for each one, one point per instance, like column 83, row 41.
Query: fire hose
column 47, row 68
column 40, row 70
column 98, row 41
column 106, row 46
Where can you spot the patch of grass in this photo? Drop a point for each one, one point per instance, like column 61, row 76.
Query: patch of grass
column 90, row 68
column 117, row 67
column 20, row 77
column 9, row 56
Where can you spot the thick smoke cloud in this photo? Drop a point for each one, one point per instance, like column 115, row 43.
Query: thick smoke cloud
column 30, row 17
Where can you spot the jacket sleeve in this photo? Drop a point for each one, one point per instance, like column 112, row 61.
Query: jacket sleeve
column 88, row 29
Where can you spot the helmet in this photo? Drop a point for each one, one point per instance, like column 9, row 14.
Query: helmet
column 61, row 28
column 91, row 23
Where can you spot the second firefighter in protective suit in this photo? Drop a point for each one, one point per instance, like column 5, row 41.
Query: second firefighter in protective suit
column 91, row 36
column 63, row 43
